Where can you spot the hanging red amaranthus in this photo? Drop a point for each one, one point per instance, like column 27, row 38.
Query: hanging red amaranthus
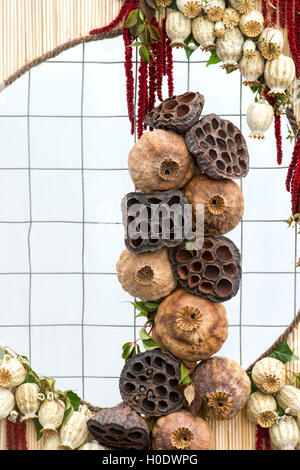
column 264, row 8
column 274, row 13
column 277, row 126
column 124, row 9
column 282, row 8
column 291, row 21
column 142, row 101
column 293, row 179
column 262, row 439
column 159, row 57
column 297, row 22
column 10, row 435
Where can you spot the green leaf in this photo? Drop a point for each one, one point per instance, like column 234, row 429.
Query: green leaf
column 144, row 334
column 141, row 15
column 253, row 386
column 150, row 344
column 296, row 379
column 214, row 59
column 174, row 6
column 75, row 400
column 151, row 4
column 155, row 34
column 230, row 70
column 185, row 378
column 150, row 423
column 69, row 410
column 132, row 19
column 38, row 429
column 126, row 350
column 280, row 411
column 283, row 353
column 188, row 52
column 3, row 353
column 30, row 379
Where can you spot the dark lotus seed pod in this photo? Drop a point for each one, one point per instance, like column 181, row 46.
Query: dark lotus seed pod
column 119, row 428
column 213, row 272
column 219, row 148
column 177, row 113
column 148, row 383
column 152, row 221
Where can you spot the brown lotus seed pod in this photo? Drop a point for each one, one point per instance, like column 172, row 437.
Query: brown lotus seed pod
column 148, row 276
column 177, row 113
column 225, row 385
column 148, row 383
column 119, row 428
column 219, row 148
column 160, row 161
column 189, row 327
column 223, row 203
column 213, row 271
column 181, row 431
column 152, row 221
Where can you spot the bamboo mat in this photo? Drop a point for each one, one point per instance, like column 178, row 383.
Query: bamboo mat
column 29, row 29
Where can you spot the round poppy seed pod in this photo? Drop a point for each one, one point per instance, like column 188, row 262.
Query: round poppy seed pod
column 252, row 24
column 225, row 384
column 223, row 203
column 148, row 383
column 219, row 148
column 229, row 48
column 231, row 18
column 279, row 75
column 178, row 28
column 271, row 43
column 181, row 431
column 12, row 372
column 203, row 32
column 160, row 160
column 261, row 409
column 285, row 434
column 212, row 271
column 288, row 398
column 119, row 428
column 94, row 445
column 243, row 6
column 214, row 9
column 7, row 402
column 190, row 8
column 252, row 67
column 177, row 113
column 259, row 118
column 27, row 400
column 190, row 327
column 249, row 48
column 220, row 30
column 51, row 415
column 147, row 276
column 268, row 374
column 52, row 442
column 74, row 432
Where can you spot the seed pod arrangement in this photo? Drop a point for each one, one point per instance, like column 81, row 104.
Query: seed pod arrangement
column 212, row 271
column 271, row 43
column 160, row 161
column 231, row 18
column 148, row 276
column 154, row 220
column 261, row 409
column 51, row 415
column 219, row 148
column 252, row 68
column 204, row 33
column 190, row 327
column 222, row 200
column 12, row 372
column 119, row 428
column 229, row 48
column 190, row 8
column 251, row 24
column 279, row 75
column 285, row 434
column 74, row 432
column 268, row 374
column 178, row 28
column 215, row 9
column 181, row 431
column 149, row 381
column 288, row 398
column 27, row 400
column 225, row 385
column 177, row 113
column 259, row 118
column 243, row 6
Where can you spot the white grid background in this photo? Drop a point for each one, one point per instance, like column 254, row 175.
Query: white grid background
column 64, row 142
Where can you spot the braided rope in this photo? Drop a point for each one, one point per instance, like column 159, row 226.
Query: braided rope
column 293, row 121
column 55, row 52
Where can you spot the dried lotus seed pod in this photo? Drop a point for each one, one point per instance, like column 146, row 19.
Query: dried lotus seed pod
column 148, row 383
column 219, row 148
column 181, row 431
column 154, row 220
column 148, row 276
column 222, row 200
column 212, row 271
column 189, row 327
column 177, row 113
column 119, row 427
column 285, row 434
column 225, row 385
column 160, row 160
column 268, row 374
column 288, row 398
column 261, row 409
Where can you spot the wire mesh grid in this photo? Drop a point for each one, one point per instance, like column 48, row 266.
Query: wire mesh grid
column 61, row 303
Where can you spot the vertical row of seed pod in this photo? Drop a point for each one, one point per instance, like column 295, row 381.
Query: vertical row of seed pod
column 269, row 376
column 184, row 161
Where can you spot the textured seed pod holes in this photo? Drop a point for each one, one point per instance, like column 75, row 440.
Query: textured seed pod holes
column 148, row 383
column 156, row 220
column 177, row 113
column 219, row 148
column 213, row 272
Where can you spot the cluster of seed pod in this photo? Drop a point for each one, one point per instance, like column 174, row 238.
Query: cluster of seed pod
column 269, row 376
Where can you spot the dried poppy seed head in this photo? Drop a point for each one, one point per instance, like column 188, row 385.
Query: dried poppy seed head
column 189, row 318
column 271, row 384
column 181, row 438
column 5, row 377
column 221, row 403
column 266, row 419
column 168, row 169
column 216, row 205
column 145, row 275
